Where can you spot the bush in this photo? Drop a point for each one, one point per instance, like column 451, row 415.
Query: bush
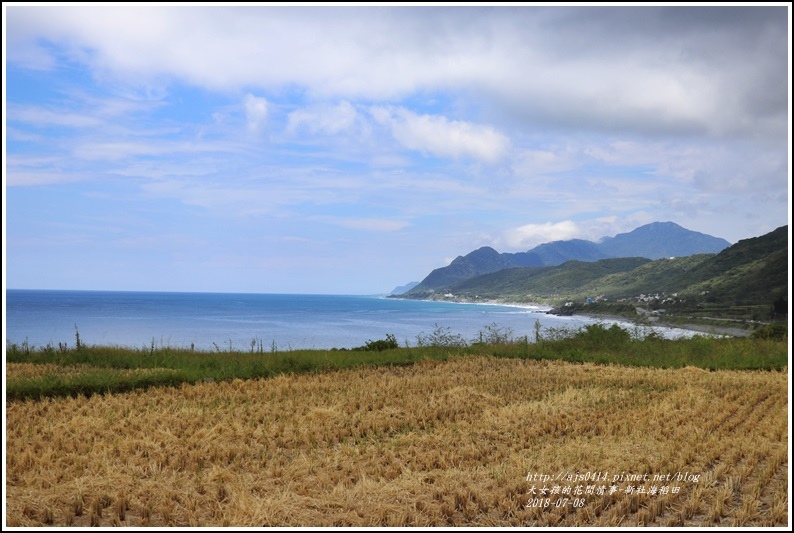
column 441, row 337
column 493, row 334
column 596, row 335
column 389, row 343
column 777, row 332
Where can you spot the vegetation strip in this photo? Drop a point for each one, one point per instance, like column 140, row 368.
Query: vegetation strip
column 98, row 369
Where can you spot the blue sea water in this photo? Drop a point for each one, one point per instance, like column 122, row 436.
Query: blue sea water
column 210, row 320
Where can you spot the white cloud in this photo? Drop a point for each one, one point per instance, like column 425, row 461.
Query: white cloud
column 717, row 71
column 579, row 112
column 32, row 170
column 329, row 120
column 255, row 112
column 14, row 134
column 441, row 137
column 530, row 235
column 26, row 178
column 42, row 117
column 93, row 150
column 532, row 163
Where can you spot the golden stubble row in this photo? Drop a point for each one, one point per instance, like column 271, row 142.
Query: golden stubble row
column 432, row 444
column 23, row 371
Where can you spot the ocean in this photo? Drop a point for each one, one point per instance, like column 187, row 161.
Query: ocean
column 210, row 321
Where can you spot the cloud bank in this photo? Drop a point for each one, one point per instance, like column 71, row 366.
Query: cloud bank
column 347, row 135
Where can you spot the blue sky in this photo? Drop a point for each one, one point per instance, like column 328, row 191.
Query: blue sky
column 349, row 150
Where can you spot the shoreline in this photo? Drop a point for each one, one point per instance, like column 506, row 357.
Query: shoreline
column 521, row 305
column 653, row 323
column 707, row 329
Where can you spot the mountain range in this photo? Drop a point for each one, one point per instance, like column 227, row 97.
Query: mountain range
column 402, row 289
column 744, row 280
column 651, row 241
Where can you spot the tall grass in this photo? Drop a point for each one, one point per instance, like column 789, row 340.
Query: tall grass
column 615, row 345
column 116, row 369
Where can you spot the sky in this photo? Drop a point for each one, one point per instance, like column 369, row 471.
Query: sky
column 349, row 150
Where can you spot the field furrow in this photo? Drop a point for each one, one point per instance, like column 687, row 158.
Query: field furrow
column 474, row 441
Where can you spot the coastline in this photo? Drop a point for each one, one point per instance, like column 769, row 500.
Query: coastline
column 457, row 300
column 707, row 329
column 654, row 322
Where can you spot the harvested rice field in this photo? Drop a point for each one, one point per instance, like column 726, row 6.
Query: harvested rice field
column 473, row 441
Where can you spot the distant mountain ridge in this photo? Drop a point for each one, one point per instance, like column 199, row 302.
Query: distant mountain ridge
column 751, row 273
column 402, row 289
column 652, row 241
column 660, row 240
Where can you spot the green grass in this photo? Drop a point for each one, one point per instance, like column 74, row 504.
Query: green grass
column 103, row 369
column 701, row 352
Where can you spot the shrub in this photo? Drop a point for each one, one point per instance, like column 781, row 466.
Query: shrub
column 441, row 337
column 493, row 334
column 389, row 343
column 596, row 335
column 777, row 331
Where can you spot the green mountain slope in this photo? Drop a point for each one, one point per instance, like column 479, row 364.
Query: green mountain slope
column 747, row 273
column 652, row 241
column 751, row 273
column 649, row 278
column 543, row 283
